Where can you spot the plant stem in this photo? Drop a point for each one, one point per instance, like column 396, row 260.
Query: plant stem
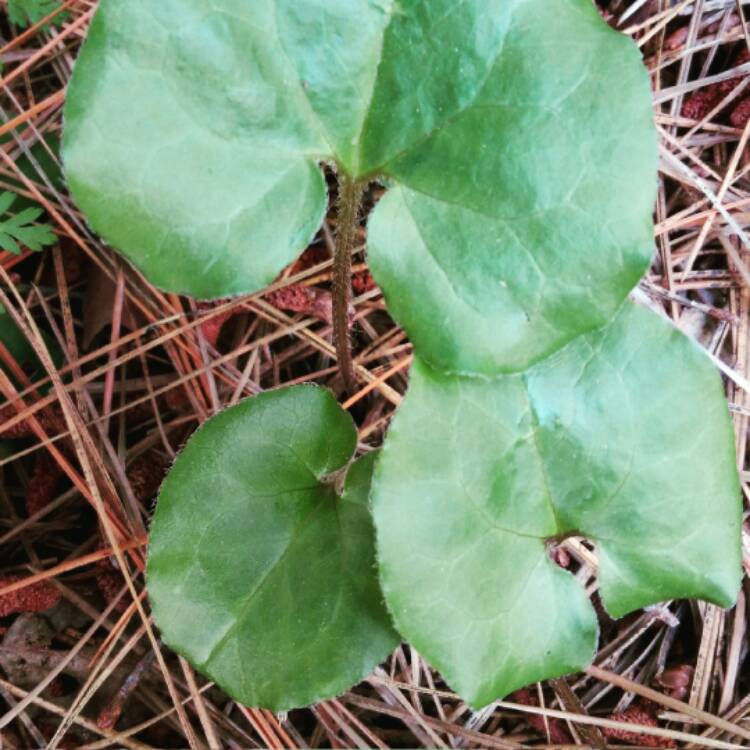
column 350, row 200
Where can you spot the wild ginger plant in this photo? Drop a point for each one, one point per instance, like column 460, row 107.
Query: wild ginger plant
column 516, row 143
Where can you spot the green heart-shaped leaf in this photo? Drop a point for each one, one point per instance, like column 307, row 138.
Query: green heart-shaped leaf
column 595, row 441
column 524, row 179
column 259, row 572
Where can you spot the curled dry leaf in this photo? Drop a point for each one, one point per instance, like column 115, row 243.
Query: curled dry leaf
column 298, row 298
column 98, row 305
column 677, row 38
column 740, row 113
column 211, row 328
column 638, row 713
column 560, row 556
column 34, row 598
column 109, row 581
column 699, row 104
column 677, row 680
column 50, row 419
column 363, row 282
column 313, row 256
column 43, row 483
column 146, row 473
column 308, row 300
column 111, row 713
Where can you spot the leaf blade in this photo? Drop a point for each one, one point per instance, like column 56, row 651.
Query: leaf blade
column 522, row 461
column 283, row 608
column 222, row 208
column 663, row 481
column 532, row 206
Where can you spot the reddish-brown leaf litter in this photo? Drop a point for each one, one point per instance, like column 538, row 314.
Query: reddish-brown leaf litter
column 86, row 440
column 703, row 102
column 36, row 597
